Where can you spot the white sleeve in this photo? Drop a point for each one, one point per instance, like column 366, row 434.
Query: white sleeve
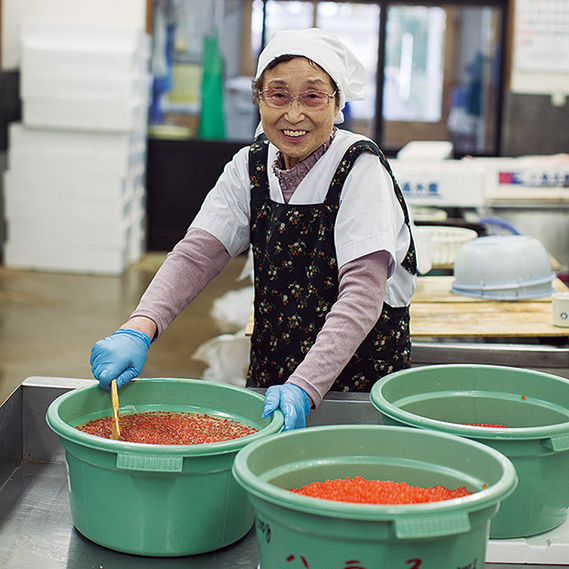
column 370, row 218
column 226, row 210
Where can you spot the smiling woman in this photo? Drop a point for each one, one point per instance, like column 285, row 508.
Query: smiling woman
column 293, row 126
column 334, row 260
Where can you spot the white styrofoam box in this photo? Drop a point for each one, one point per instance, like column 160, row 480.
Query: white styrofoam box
column 61, row 199
column 426, row 150
column 61, row 211
column 46, row 152
column 71, row 188
column 524, row 172
column 106, row 144
column 136, row 251
column 80, row 245
column 45, row 168
column 138, row 238
column 94, row 210
column 37, row 58
column 66, row 46
column 90, row 259
column 75, row 241
column 138, row 208
column 85, row 115
column 440, row 183
column 70, row 231
column 73, row 32
column 82, row 85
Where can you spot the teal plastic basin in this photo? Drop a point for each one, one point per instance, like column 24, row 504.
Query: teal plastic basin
column 533, row 406
column 158, row 500
column 300, row 531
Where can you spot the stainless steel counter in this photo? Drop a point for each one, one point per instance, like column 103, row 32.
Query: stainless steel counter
column 36, row 529
column 547, row 358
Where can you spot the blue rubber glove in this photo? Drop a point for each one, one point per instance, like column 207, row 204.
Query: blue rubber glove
column 121, row 356
column 293, row 402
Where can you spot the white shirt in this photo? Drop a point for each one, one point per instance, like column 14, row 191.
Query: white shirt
column 369, row 218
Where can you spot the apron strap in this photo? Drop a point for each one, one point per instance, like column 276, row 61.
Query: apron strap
column 258, row 152
column 409, row 263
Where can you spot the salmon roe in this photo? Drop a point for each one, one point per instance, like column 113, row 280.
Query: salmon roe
column 384, row 492
column 493, row 425
column 170, row 428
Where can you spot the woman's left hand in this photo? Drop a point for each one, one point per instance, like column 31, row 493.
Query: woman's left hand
column 292, row 401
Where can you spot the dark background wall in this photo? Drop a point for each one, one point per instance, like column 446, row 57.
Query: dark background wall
column 180, row 173
column 532, row 125
column 10, row 107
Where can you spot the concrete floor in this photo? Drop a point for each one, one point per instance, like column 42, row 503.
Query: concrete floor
column 50, row 321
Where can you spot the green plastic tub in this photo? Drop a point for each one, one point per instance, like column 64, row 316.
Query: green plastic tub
column 299, row 531
column 534, row 408
column 158, row 500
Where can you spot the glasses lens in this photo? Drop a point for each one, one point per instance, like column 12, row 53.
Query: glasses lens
column 281, row 98
column 276, row 97
column 314, row 99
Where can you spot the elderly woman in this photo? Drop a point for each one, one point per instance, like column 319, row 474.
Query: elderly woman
column 334, row 261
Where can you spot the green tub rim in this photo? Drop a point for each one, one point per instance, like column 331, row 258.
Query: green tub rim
column 557, row 431
column 66, row 431
column 479, row 500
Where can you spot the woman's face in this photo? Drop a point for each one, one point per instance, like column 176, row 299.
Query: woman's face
column 297, row 131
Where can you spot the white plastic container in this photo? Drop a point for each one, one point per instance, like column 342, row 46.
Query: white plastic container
column 503, row 267
column 560, row 309
column 447, row 242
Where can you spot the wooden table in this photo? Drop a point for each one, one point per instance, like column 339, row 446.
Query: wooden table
column 438, row 312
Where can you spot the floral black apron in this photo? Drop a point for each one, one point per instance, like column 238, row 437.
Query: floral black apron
column 296, row 283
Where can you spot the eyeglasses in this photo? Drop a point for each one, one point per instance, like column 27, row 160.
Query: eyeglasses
column 279, row 98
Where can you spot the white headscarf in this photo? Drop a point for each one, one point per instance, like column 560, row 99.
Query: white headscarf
column 327, row 51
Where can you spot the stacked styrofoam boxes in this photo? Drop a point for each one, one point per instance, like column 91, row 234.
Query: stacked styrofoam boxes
column 525, row 177
column 84, row 76
column 440, row 183
column 75, row 185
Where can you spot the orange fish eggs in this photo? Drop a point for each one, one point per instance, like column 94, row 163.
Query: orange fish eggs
column 384, row 492
column 170, row 428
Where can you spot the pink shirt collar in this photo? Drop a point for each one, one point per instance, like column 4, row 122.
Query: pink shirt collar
column 290, row 179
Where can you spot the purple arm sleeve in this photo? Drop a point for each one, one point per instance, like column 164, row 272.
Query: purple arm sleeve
column 355, row 312
column 191, row 264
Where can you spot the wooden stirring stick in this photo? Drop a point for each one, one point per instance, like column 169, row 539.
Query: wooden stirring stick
column 115, row 429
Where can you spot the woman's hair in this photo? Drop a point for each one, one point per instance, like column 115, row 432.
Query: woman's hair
column 257, row 85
